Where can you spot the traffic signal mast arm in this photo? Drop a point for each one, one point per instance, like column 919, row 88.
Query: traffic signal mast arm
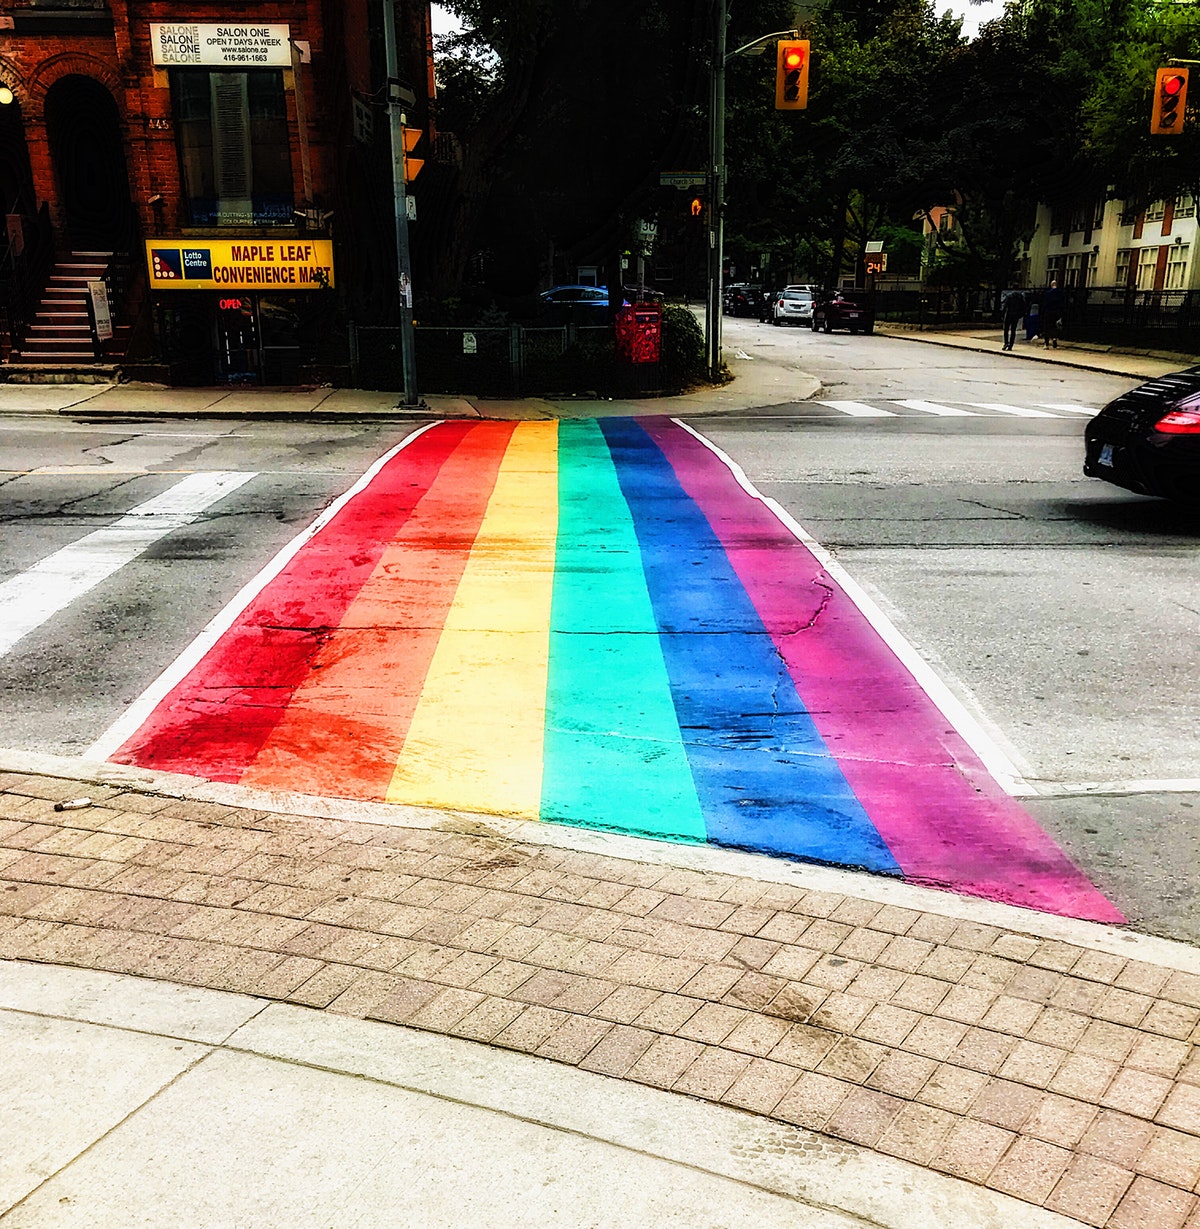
column 765, row 38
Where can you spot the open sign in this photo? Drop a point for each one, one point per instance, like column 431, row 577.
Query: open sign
column 231, row 305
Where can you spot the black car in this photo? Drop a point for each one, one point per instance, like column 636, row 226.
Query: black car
column 844, row 309
column 742, row 299
column 1149, row 439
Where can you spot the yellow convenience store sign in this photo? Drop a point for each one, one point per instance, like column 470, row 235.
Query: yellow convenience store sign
column 235, row 264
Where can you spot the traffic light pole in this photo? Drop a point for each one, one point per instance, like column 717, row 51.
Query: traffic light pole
column 408, row 339
column 716, row 195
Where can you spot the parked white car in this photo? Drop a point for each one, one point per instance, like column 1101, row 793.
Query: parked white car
column 792, row 306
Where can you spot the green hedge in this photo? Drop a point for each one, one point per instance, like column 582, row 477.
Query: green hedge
column 682, row 364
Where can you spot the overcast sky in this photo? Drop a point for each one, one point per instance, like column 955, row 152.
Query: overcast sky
column 973, row 15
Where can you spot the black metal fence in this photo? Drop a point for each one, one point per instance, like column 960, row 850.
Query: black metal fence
column 1113, row 315
column 508, row 361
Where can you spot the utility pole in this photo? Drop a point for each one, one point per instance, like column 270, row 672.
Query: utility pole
column 403, row 254
column 716, row 194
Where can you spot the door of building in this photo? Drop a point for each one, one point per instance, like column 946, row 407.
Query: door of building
column 238, row 355
column 88, row 149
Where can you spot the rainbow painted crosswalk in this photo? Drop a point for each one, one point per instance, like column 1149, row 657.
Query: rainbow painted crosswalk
column 593, row 622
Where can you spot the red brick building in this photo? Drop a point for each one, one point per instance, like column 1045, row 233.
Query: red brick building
column 228, row 179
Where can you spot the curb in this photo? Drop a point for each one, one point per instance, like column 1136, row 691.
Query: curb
column 964, row 344
column 766, row 868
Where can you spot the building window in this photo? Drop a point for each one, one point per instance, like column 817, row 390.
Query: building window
column 1122, row 274
column 1054, row 269
column 1185, row 206
column 234, row 150
column 1156, row 211
column 1177, row 259
column 1087, row 216
column 1147, row 263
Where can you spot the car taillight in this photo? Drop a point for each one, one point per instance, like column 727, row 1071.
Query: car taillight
column 1179, row 422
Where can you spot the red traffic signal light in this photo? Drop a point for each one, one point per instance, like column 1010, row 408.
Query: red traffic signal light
column 791, row 76
column 1170, row 101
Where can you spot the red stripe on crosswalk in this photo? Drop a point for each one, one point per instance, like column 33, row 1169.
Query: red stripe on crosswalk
column 216, row 720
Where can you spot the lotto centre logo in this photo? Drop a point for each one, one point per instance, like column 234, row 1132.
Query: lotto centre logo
column 166, row 263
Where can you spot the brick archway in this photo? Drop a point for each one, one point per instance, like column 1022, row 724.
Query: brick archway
column 12, row 76
column 73, row 64
column 16, row 177
column 87, row 149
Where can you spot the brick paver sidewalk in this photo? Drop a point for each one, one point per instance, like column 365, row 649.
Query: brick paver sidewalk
column 1064, row 1076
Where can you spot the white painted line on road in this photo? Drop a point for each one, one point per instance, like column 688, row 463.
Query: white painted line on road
column 1069, row 409
column 1167, row 785
column 859, row 409
column 993, row 757
column 1020, row 410
column 53, row 583
column 144, row 705
column 933, row 407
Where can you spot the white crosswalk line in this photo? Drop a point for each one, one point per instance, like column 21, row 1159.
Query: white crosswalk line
column 1069, row 409
column 932, row 407
column 53, row 583
column 1020, row 410
column 859, row 409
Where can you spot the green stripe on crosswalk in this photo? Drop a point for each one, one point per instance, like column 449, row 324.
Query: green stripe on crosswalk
column 614, row 756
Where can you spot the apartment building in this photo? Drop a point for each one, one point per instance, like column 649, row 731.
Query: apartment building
column 200, row 188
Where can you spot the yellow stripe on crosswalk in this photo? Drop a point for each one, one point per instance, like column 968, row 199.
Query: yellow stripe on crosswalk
column 475, row 742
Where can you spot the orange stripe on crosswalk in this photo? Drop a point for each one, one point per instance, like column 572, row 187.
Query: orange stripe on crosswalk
column 345, row 727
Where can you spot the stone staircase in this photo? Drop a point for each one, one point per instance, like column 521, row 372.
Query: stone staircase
column 59, row 337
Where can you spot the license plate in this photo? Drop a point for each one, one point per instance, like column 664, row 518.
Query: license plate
column 1106, row 456
column 852, row 315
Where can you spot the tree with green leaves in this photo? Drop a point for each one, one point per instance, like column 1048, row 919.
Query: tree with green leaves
column 566, row 111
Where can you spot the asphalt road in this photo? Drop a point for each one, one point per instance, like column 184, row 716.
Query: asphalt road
column 66, row 681
column 1062, row 612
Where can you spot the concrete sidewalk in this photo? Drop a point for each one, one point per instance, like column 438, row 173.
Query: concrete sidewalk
column 755, row 384
column 1136, row 364
column 421, row 1018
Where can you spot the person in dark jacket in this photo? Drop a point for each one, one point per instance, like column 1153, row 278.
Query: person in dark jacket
column 1012, row 312
column 1052, row 309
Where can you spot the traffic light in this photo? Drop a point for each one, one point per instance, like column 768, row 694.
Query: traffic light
column 791, row 76
column 696, row 209
column 412, row 166
column 1170, row 100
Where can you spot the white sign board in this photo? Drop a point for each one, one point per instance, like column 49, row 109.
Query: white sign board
column 257, row 46
column 100, row 309
column 470, row 344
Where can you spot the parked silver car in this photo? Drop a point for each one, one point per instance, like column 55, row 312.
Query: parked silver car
column 792, row 307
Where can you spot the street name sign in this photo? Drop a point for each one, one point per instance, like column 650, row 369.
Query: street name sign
column 682, row 179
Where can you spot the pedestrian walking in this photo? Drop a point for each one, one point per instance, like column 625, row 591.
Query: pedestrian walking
column 1012, row 312
column 1052, row 310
